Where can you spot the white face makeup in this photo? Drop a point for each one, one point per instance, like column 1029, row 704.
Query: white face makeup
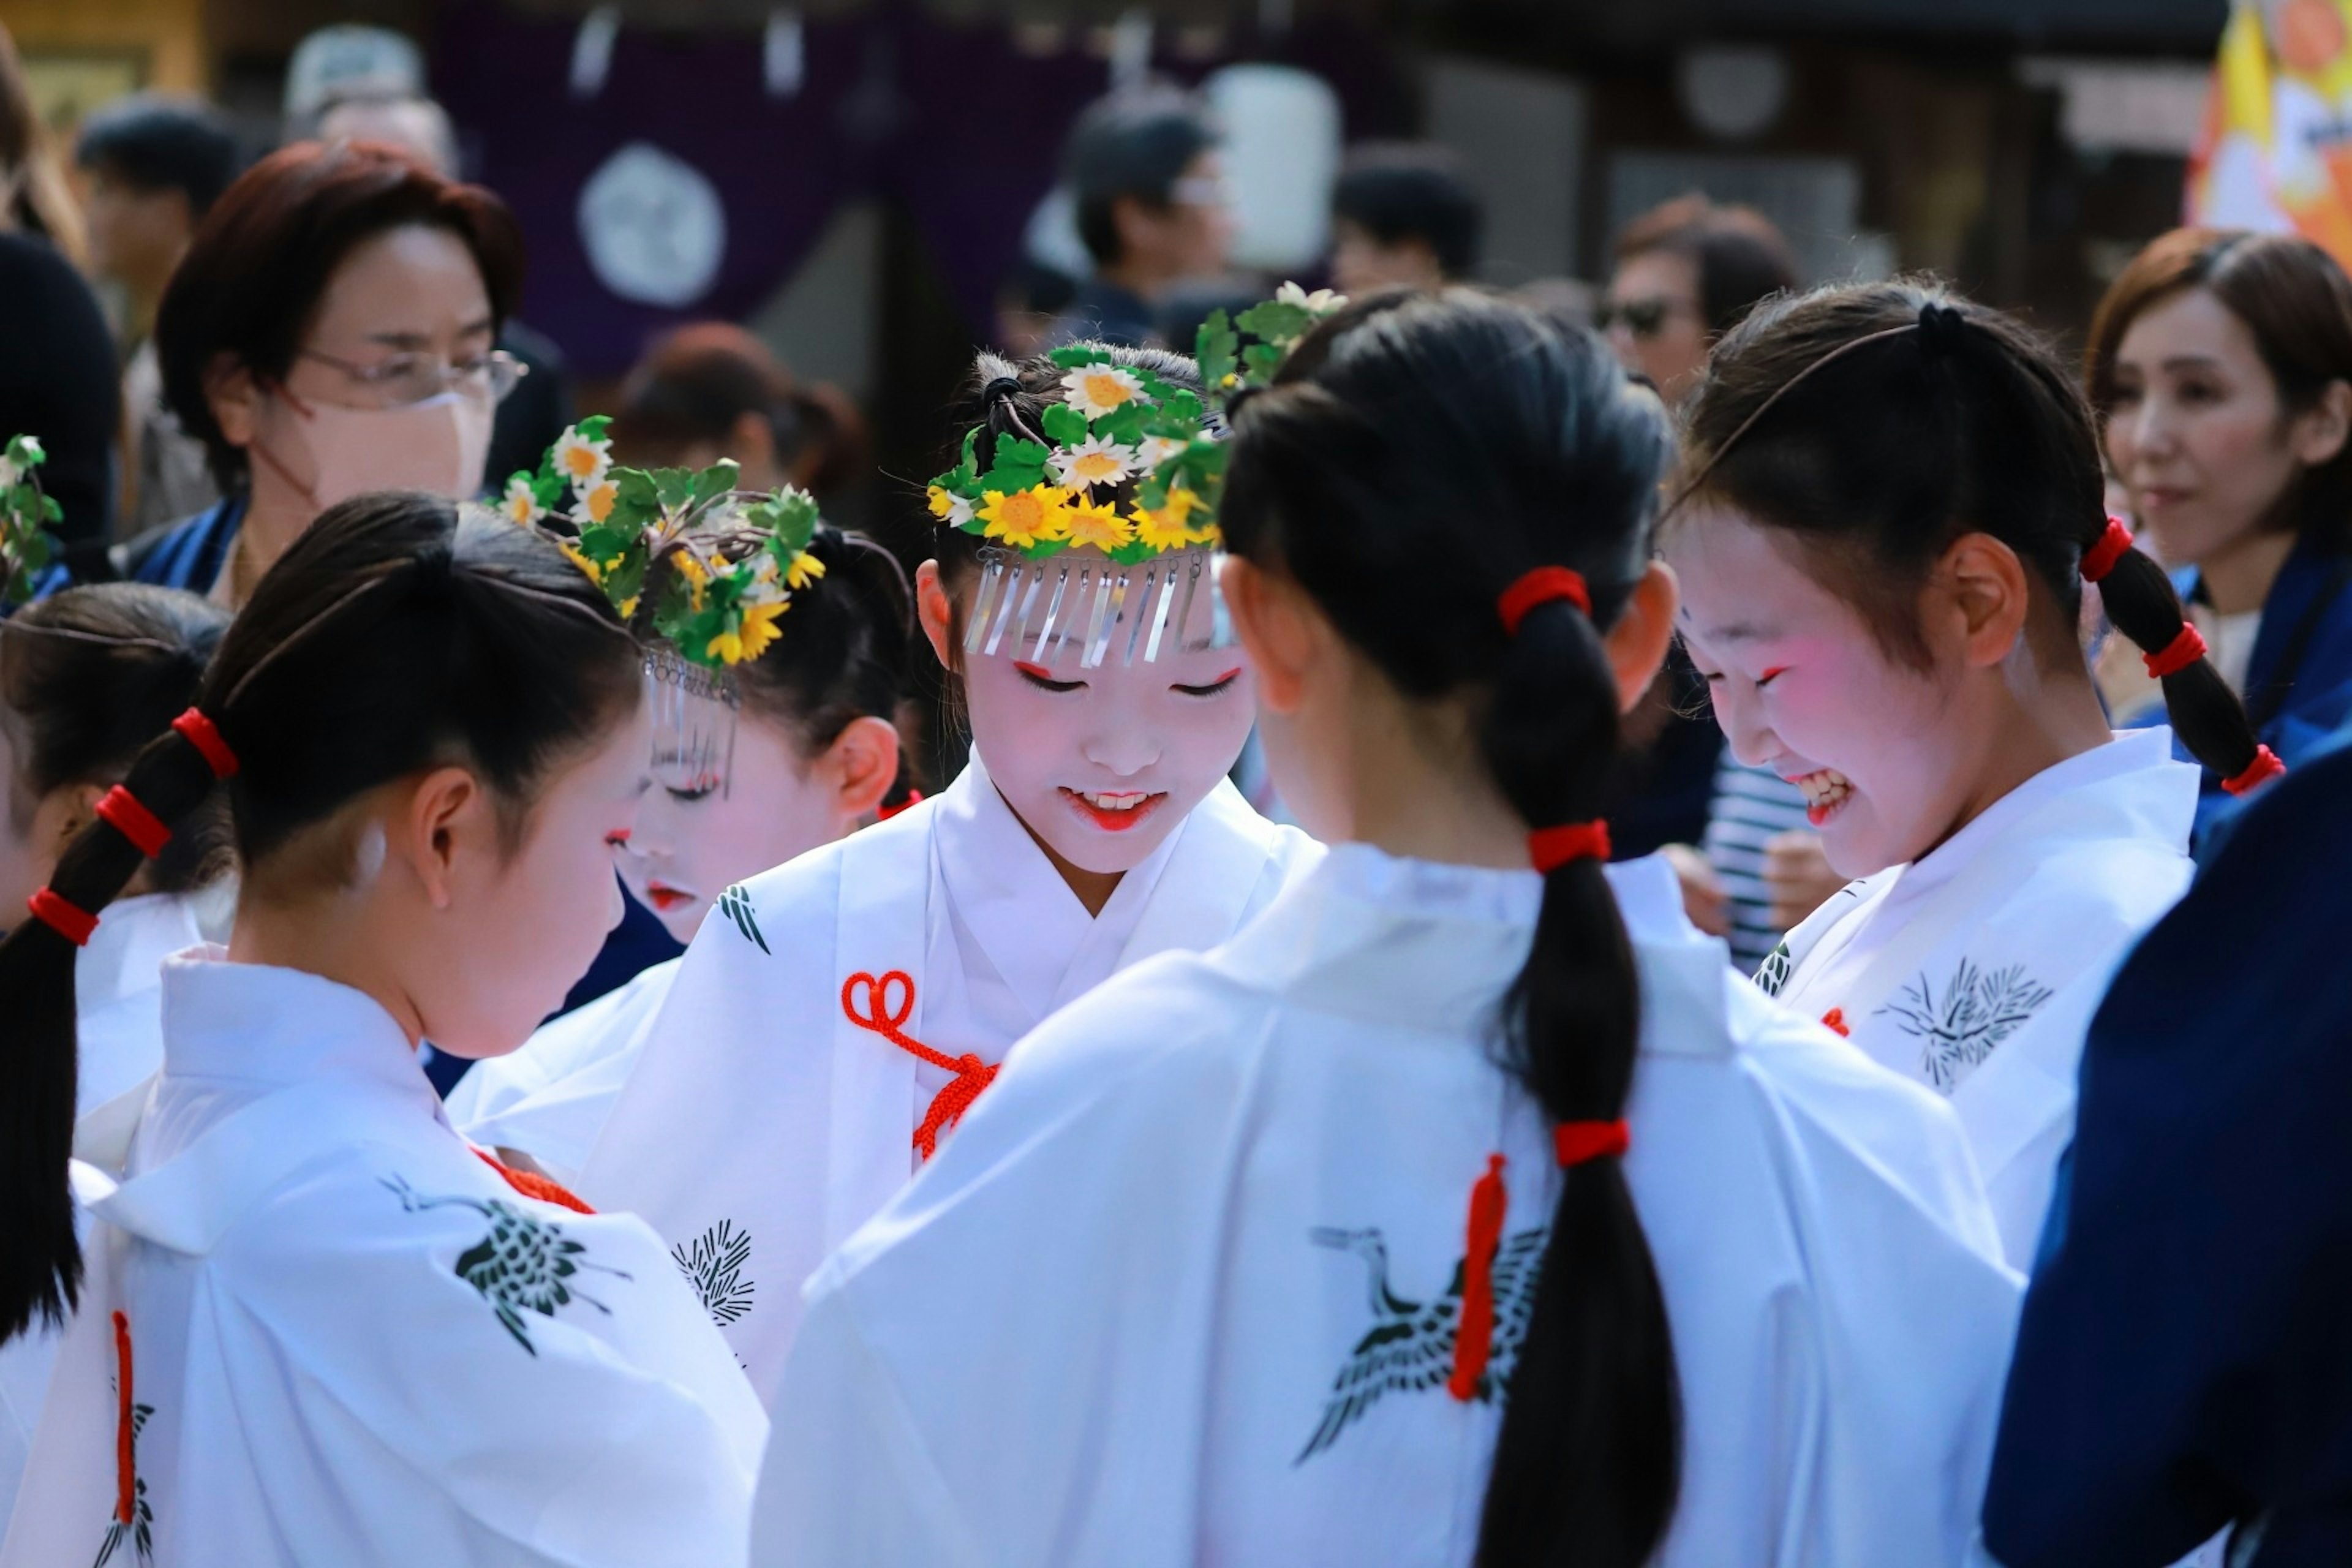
column 1102, row 764
column 692, row 844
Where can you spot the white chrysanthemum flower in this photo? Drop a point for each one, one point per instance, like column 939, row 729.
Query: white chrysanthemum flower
column 582, row 462
column 520, row 503
column 1095, row 390
column 1322, row 302
column 1156, row 450
column 1094, row 461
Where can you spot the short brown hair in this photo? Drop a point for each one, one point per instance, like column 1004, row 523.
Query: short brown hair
column 2297, row 303
column 1739, row 257
column 254, row 274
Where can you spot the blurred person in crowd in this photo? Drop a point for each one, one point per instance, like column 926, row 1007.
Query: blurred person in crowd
column 1030, row 299
column 1153, row 208
column 1402, row 215
column 1687, row 272
column 1569, row 299
column 712, row 390
column 34, row 195
column 2221, row 364
column 155, row 164
column 348, row 61
column 538, row 410
column 330, row 332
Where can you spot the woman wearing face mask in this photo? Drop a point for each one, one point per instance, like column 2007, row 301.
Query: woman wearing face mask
column 1455, row 1211
column 1893, row 500
column 329, row 333
column 2221, row 364
column 313, row 1324
column 825, row 1035
column 815, row 755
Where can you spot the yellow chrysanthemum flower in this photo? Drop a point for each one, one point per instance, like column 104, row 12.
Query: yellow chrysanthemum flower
column 805, row 568
column 757, row 635
column 697, row 575
column 949, row 506
column 628, row 606
column 520, row 503
column 597, row 500
column 593, row 572
column 1025, row 516
column 1170, row 527
column 1100, row 526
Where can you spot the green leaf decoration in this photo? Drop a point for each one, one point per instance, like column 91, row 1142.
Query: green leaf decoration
column 1066, row 425
column 1275, row 322
column 1217, row 350
column 1123, row 424
column 595, row 428
column 1262, row 361
column 717, row 480
column 1076, row 354
column 674, row 487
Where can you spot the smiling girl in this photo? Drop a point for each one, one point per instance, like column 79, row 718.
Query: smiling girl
column 815, row 755
column 1893, row 497
column 315, row 1325
column 826, row 1034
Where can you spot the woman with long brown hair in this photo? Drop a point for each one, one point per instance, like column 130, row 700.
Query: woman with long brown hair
column 2221, row 367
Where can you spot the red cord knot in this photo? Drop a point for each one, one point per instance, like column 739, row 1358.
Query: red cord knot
column 1835, row 1022
column 866, row 1001
column 63, row 916
column 2110, row 547
column 1473, row 1334
column 2262, row 769
column 126, row 1467
column 533, row 1185
column 2177, row 655
column 1541, row 586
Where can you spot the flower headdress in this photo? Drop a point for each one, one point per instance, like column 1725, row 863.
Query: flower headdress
column 712, row 567
column 1116, row 423
column 26, row 546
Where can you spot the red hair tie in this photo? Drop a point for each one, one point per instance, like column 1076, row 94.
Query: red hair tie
column 1541, row 587
column 1576, row 1141
column 68, row 921
column 914, row 798
column 2105, row 551
column 121, row 810
column 2177, row 655
column 1553, row 848
column 206, row 737
column 2262, row 769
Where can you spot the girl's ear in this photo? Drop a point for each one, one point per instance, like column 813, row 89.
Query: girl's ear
column 860, row 766
column 936, row 612
column 1281, row 630
column 1637, row 643
column 1979, row 598
column 445, row 817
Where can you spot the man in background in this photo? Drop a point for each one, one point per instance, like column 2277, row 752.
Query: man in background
column 155, row 165
column 1152, row 208
column 1402, row 215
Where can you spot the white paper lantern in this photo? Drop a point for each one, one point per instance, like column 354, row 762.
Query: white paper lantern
column 1281, row 152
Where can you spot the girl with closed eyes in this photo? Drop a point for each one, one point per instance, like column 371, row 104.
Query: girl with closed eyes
column 835, row 1020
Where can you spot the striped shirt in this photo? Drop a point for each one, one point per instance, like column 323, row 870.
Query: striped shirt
column 1751, row 805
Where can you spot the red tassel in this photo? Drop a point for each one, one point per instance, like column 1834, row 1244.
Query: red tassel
column 533, row 1186
column 2262, row 769
column 1474, row 1336
column 126, row 1469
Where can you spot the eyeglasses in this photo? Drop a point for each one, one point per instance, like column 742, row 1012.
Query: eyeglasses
column 1643, row 318
column 408, row 378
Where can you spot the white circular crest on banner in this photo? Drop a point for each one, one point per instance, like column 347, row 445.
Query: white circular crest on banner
column 653, row 226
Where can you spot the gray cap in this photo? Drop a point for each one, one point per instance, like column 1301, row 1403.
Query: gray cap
column 348, row 61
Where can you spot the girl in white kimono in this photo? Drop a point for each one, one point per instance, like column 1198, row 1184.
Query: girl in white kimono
column 1893, row 497
column 823, row 1038
column 815, row 754
column 1454, row 1211
column 86, row 679
column 314, row 1324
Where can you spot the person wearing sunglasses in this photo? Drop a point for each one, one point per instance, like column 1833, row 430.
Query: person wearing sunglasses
column 1154, row 208
column 330, row 331
column 1686, row 272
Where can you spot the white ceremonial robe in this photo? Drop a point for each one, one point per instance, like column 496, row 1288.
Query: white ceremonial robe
column 1945, row 968
column 349, row 1341
column 550, row 1099
column 763, row 1125
column 1118, row 1320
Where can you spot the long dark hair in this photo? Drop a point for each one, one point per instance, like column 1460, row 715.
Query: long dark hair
column 390, row 637
column 1951, row 418
column 89, row 678
column 844, row 652
column 1415, row 456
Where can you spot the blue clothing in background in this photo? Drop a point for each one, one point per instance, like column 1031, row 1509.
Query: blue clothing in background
column 189, row 553
column 2185, row 1358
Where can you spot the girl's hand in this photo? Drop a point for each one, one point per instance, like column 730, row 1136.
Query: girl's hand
column 1703, row 895
column 1798, row 875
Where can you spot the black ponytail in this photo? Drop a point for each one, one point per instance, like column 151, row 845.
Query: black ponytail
column 1896, row 416
column 1416, row 458
column 391, row 636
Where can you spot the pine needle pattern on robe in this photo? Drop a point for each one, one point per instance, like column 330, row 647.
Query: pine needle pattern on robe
column 1774, row 974
column 139, row 1529
column 714, row 1265
column 1410, row 1347
column 736, row 905
column 524, row 1264
column 1979, row 1008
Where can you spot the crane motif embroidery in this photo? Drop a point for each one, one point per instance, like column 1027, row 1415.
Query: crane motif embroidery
column 1410, row 1347
column 524, row 1264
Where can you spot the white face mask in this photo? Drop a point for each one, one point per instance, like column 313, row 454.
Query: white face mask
column 437, row 446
